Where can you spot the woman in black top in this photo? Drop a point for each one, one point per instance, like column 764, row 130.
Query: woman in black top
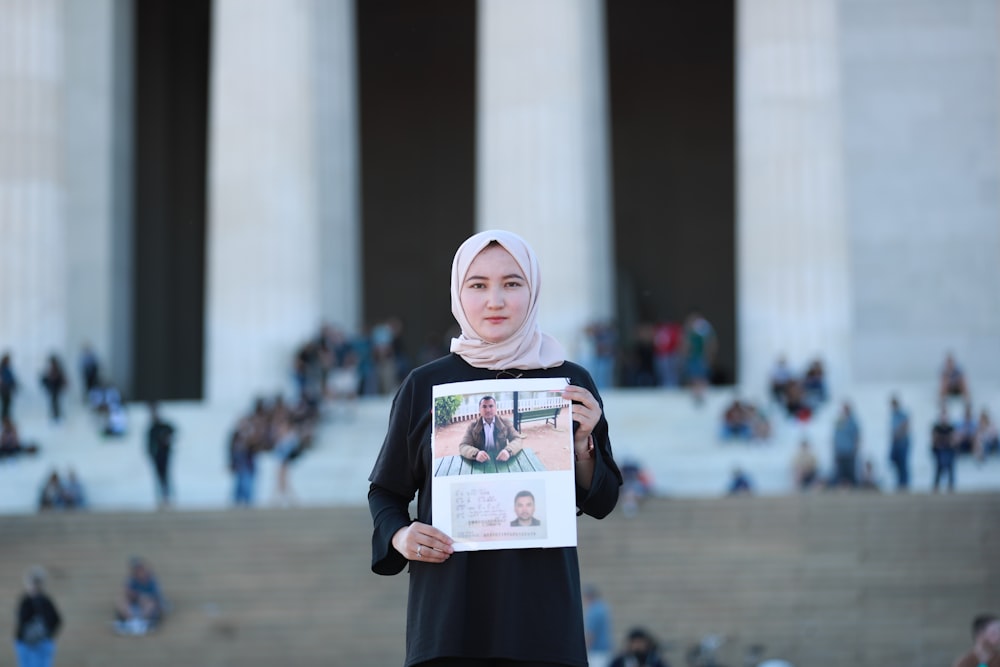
column 38, row 621
column 487, row 608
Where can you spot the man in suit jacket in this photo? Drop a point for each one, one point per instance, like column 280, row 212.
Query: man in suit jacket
column 489, row 436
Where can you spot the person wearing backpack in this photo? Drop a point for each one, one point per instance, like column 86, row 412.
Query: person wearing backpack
column 38, row 622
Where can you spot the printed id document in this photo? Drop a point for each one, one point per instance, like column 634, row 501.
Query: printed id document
column 503, row 466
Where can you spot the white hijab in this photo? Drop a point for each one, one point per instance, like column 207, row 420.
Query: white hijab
column 528, row 347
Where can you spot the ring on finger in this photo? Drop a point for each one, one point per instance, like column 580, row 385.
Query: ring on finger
column 419, row 547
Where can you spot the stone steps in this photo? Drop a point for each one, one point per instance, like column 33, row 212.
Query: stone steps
column 676, row 440
column 830, row 579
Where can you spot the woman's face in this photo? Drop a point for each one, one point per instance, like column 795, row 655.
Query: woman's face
column 495, row 295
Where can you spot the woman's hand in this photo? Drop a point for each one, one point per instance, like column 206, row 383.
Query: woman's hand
column 424, row 543
column 587, row 411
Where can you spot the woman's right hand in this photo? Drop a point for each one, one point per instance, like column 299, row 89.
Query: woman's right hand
column 424, row 543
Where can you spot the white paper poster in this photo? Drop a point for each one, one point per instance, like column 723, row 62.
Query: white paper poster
column 503, row 464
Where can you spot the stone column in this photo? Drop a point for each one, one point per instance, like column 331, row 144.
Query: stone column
column 266, row 249
column 793, row 281
column 921, row 116
column 337, row 166
column 32, row 186
column 98, row 145
column 543, row 153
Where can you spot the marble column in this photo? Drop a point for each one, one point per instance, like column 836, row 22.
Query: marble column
column 337, row 163
column 921, row 118
column 268, row 249
column 793, row 265
column 32, row 186
column 543, row 151
column 98, row 158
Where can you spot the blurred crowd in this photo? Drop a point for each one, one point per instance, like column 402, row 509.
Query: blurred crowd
column 668, row 353
column 960, row 428
column 331, row 368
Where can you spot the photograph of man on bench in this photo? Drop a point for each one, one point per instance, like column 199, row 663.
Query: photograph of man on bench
column 502, row 454
column 509, row 431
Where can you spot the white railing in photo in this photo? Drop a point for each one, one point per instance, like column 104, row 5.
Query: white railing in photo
column 469, row 409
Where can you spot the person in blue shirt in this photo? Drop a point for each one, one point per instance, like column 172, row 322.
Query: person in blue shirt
column 899, row 448
column 141, row 604
column 596, row 627
column 740, row 484
column 846, row 443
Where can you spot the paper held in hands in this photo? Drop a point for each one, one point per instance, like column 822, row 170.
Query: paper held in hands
column 502, row 453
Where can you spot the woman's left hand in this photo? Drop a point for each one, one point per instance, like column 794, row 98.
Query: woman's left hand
column 586, row 410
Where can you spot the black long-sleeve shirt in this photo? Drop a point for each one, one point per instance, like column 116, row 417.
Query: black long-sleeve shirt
column 37, row 604
column 517, row 604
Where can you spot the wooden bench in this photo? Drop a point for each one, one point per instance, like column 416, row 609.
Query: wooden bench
column 536, row 415
column 523, row 461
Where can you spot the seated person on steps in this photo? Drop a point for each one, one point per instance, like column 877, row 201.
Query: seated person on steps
column 637, row 485
column 987, row 436
column 11, row 444
column 805, row 467
column 952, row 380
column 641, row 650
column 965, row 431
column 140, row 606
column 743, row 420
